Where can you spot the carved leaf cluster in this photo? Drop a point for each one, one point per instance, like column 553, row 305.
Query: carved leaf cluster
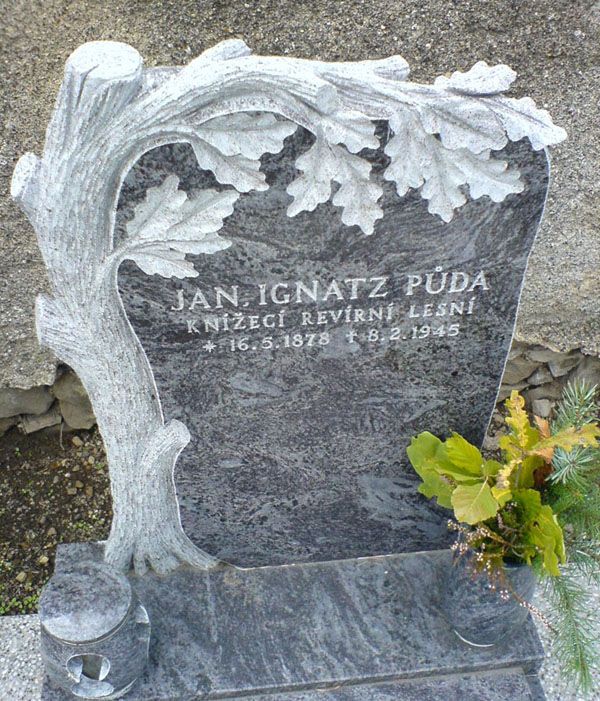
column 420, row 159
column 357, row 194
column 468, row 110
column 328, row 160
column 446, row 141
column 231, row 147
column 443, row 143
column 167, row 225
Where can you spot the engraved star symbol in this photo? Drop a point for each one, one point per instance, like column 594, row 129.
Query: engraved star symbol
column 351, row 335
column 209, row 346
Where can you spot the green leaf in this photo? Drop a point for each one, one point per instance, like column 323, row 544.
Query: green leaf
column 506, row 443
column 491, row 468
column 446, row 467
column 474, row 503
column 434, row 486
column 523, row 435
column 567, row 439
column 423, row 455
column 520, row 446
column 547, row 535
column 501, row 495
column 464, row 455
column 529, row 502
column 525, row 472
column 421, row 451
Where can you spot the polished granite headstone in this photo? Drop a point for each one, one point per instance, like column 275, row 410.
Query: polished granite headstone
column 303, row 357
column 368, row 629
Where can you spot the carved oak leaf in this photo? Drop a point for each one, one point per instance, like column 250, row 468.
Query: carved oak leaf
column 521, row 118
column 461, row 122
column 350, row 128
column 408, row 153
column 488, row 120
column 452, row 169
column 318, row 166
column 231, row 147
column 241, row 172
column 157, row 260
column 480, row 80
column 248, row 134
column 419, row 159
column 167, row 225
column 357, row 194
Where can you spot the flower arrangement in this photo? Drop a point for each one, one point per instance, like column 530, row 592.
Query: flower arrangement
column 538, row 504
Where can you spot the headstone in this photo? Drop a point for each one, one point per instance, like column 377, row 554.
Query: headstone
column 310, row 263
column 303, row 357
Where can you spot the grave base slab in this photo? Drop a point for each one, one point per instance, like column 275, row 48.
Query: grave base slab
column 367, row 629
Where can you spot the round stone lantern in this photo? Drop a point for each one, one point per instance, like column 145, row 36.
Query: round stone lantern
column 95, row 632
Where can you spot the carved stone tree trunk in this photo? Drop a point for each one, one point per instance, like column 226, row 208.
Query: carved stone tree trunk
column 70, row 197
column 109, row 112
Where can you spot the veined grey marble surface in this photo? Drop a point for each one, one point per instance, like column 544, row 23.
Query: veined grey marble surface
column 229, row 633
column 299, row 430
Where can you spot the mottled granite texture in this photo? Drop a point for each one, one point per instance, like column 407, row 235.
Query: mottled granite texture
column 510, row 685
column 86, row 602
column 230, row 633
column 297, row 454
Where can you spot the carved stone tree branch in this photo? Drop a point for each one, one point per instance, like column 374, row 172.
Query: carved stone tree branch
column 109, row 112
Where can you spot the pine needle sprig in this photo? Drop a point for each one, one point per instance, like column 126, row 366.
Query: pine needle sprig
column 575, row 640
column 577, row 510
column 564, row 498
column 575, row 466
column 578, row 407
column 585, row 559
column 573, row 491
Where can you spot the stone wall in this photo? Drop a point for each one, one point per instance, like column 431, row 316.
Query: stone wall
column 64, row 402
column 541, row 375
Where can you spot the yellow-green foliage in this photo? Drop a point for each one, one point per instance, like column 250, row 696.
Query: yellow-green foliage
column 504, row 498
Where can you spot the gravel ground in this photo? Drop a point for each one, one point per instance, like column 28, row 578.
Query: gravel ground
column 21, row 670
column 21, row 667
